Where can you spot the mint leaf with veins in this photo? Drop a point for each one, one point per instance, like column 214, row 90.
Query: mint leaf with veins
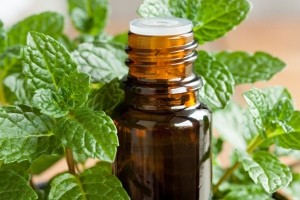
column 258, row 108
column 218, row 81
column 45, row 62
column 75, row 89
column 247, row 68
column 29, row 131
column 266, row 170
column 102, row 60
column 89, row 132
column 14, row 187
column 52, row 76
column 94, row 183
column 49, row 103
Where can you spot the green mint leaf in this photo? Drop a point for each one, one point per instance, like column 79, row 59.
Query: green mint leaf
column 154, row 8
column 21, row 168
column 247, row 68
column 27, row 131
column 43, row 162
column 281, row 114
column 45, row 62
column 49, row 23
column 294, row 121
column 14, row 187
column 258, row 108
column 95, row 183
column 17, row 85
column 215, row 18
column 107, row 97
column 246, row 192
column 89, row 16
column 91, row 133
column 103, row 61
column 75, row 89
column 288, row 141
column 230, row 124
column 276, row 94
column 218, row 81
column 49, row 103
column 266, row 170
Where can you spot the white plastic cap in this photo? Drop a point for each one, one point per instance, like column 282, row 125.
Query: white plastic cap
column 160, row 26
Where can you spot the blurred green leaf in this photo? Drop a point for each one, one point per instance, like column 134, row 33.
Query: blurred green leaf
column 102, row 60
column 43, row 162
column 247, row 68
column 89, row 16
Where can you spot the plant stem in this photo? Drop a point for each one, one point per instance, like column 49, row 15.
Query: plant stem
column 225, row 176
column 253, row 144
column 70, row 161
column 279, row 196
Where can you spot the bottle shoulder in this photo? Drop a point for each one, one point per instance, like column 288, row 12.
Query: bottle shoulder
column 194, row 116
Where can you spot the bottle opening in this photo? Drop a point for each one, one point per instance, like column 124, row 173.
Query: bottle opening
column 160, row 26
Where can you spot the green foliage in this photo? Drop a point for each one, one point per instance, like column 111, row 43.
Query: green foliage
column 91, row 133
column 246, row 192
column 266, row 170
column 89, row 16
column 107, row 97
column 45, row 62
column 218, row 81
column 258, row 108
column 103, row 61
column 29, row 130
column 247, row 68
column 14, row 187
column 95, row 183
column 66, row 100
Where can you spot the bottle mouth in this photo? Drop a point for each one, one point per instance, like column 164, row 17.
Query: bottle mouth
column 160, row 26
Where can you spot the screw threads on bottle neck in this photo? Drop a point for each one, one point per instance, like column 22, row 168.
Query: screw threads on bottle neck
column 161, row 74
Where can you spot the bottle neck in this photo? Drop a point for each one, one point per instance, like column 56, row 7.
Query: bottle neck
column 161, row 74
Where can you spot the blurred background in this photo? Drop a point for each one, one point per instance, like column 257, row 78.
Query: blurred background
column 272, row 26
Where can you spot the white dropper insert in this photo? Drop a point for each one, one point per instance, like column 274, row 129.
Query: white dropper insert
column 160, row 26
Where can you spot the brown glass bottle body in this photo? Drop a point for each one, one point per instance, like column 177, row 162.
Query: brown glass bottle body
column 164, row 132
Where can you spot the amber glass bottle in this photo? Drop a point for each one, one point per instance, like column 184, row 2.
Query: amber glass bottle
column 164, row 131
